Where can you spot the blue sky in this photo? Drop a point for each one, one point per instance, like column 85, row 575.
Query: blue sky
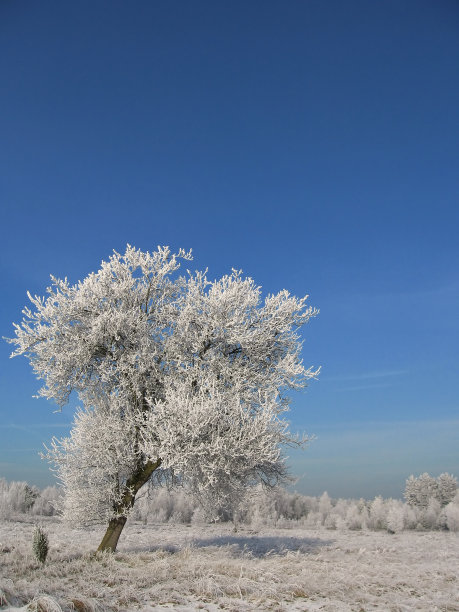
column 313, row 144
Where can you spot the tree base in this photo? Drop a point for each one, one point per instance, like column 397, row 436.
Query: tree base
column 112, row 535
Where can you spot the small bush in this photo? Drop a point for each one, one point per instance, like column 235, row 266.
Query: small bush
column 40, row 544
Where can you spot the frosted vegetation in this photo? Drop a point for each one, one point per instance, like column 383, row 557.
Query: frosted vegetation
column 290, row 552
column 431, row 504
column 182, row 380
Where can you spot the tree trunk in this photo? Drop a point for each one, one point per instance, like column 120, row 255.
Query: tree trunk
column 133, row 484
column 111, row 537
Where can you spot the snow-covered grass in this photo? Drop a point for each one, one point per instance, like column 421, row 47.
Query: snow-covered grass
column 210, row 567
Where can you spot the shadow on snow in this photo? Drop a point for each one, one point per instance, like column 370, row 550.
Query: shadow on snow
column 263, row 546
column 253, row 546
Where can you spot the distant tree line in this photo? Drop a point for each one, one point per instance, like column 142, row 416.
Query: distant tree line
column 431, row 503
column 21, row 498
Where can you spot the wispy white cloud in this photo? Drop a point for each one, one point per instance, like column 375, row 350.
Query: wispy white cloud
column 364, row 387
column 377, row 376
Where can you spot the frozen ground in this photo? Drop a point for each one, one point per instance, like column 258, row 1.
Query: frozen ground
column 209, row 567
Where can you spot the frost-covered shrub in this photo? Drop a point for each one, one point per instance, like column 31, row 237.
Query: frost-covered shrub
column 395, row 516
column 286, row 523
column 16, row 497
column 299, row 506
column 312, row 520
column 199, row 516
column 274, row 504
column 161, row 506
column 378, row 514
column 341, row 524
column 30, row 496
column 353, row 517
column 183, row 510
column 5, row 509
column 271, row 507
column 340, row 507
column 431, row 515
column 410, row 518
column 451, row 513
column 325, row 506
column 261, row 509
column 47, row 502
column 365, row 517
column 331, row 520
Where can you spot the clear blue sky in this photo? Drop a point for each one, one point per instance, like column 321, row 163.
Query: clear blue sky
column 314, row 144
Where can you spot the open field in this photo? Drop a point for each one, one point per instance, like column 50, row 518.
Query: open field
column 209, row 567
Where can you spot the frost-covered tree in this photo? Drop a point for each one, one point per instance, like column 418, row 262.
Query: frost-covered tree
column 447, row 488
column 451, row 513
column 325, row 505
column 178, row 376
column 378, row 514
column 431, row 514
column 395, row 516
column 418, row 491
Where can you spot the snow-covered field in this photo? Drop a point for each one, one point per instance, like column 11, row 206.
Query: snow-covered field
column 210, row 567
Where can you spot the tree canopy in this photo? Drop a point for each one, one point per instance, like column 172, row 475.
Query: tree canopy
column 179, row 376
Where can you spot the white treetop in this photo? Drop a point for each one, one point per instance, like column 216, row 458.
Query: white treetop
column 419, row 491
column 175, row 373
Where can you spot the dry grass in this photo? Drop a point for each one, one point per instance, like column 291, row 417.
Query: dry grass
column 210, row 568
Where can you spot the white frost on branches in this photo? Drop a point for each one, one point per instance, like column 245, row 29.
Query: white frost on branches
column 177, row 375
column 419, row 491
column 95, row 462
column 217, row 443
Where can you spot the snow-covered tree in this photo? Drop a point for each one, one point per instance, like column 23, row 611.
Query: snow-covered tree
column 447, row 488
column 378, row 514
column 179, row 377
column 325, row 505
column 431, row 514
column 451, row 512
column 353, row 517
column 395, row 516
column 419, row 491
column 16, row 497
